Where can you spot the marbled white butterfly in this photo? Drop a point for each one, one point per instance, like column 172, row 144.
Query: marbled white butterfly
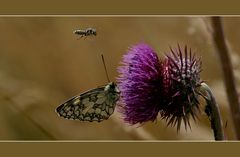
column 94, row 105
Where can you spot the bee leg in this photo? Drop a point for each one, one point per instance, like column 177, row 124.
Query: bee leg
column 79, row 37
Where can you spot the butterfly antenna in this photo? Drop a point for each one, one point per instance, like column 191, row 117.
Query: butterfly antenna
column 105, row 68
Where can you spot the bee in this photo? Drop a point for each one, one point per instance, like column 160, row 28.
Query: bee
column 86, row 32
column 94, row 105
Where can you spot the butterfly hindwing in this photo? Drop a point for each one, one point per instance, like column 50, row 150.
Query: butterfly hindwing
column 94, row 105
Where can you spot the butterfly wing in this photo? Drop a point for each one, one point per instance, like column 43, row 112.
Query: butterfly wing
column 94, row 105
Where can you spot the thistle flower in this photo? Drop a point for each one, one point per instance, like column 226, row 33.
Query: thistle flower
column 181, row 80
column 150, row 86
column 140, row 82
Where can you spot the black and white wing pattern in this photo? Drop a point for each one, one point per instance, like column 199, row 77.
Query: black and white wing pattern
column 94, row 105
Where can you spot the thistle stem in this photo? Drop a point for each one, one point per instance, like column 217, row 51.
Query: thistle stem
column 221, row 46
column 212, row 111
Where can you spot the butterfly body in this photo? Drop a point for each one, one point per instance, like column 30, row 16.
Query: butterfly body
column 94, row 105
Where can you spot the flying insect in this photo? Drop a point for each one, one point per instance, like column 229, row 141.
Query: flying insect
column 87, row 32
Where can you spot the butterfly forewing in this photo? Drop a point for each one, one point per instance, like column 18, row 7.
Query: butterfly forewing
column 94, row 105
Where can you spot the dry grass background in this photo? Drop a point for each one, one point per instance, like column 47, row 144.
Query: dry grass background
column 42, row 64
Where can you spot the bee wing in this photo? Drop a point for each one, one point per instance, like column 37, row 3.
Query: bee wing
column 93, row 105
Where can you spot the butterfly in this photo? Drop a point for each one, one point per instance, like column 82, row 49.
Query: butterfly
column 94, row 105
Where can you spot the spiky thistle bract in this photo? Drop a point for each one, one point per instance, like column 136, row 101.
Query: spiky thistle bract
column 181, row 81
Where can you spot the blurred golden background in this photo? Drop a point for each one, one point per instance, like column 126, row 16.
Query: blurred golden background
column 42, row 64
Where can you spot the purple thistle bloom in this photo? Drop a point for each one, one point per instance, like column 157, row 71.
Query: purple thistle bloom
column 140, row 82
column 181, row 80
column 149, row 86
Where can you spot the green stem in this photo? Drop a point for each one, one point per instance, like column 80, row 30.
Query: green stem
column 212, row 111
